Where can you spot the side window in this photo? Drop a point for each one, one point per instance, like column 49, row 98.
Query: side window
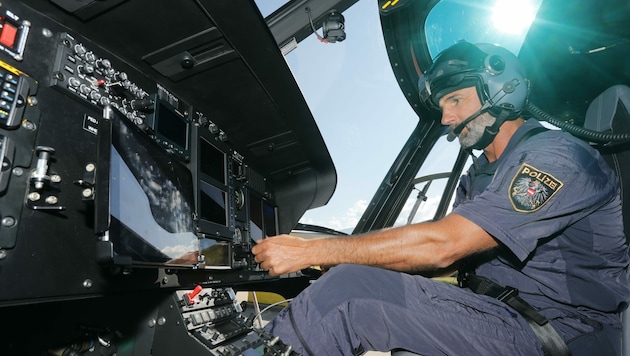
column 430, row 183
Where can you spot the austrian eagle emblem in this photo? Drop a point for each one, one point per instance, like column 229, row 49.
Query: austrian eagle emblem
column 532, row 188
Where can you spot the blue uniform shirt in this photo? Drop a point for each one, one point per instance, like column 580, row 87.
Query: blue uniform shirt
column 553, row 205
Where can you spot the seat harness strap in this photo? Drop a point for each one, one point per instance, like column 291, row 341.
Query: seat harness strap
column 552, row 343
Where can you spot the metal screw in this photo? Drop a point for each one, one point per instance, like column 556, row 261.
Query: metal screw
column 18, row 171
column 34, row 196
column 87, row 192
column 3, row 254
column 90, row 167
column 161, row 320
column 55, row 178
column 59, row 76
column 32, row 100
column 87, row 283
column 52, row 200
column 151, row 323
column 28, row 125
column 47, row 33
column 164, row 280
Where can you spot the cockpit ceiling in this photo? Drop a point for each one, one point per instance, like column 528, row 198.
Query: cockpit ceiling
column 572, row 52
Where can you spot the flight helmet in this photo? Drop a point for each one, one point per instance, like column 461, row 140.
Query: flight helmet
column 494, row 71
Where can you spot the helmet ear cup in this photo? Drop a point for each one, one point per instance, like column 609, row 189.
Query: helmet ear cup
column 505, row 81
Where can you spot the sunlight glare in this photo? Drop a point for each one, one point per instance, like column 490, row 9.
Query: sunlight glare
column 513, row 17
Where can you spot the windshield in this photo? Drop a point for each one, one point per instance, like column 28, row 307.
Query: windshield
column 503, row 22
column 359, row 109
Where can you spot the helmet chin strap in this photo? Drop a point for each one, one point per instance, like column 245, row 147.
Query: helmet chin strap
column 488, row 136
column 491, row 131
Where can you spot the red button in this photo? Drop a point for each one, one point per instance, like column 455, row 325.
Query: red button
column 7, row 36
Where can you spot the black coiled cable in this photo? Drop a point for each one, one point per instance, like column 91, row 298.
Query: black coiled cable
column 579, row 131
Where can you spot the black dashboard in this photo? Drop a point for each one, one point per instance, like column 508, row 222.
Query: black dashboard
column 146, row 146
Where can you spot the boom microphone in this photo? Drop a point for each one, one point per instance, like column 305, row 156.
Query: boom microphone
column 453, row 133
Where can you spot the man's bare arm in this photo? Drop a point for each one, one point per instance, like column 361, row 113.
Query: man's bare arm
column 426, row 246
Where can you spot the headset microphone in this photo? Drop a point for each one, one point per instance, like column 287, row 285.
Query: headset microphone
column 451, row 136
column 453, row 133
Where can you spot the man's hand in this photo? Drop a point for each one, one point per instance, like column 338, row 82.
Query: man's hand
column 282, row 254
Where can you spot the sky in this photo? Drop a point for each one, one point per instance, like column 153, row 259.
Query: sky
column 358, row 106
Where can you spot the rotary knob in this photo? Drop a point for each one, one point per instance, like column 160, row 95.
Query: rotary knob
column 121, row 76
column 104, row 63
column 79, row 50
column 87, row 69
column 95, row 95
column 90, row 57
column 74, row 82
column 84, row 89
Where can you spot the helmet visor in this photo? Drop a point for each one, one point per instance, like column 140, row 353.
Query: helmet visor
column 431, row 91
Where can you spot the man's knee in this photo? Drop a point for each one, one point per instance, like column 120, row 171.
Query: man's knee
column 344, row 283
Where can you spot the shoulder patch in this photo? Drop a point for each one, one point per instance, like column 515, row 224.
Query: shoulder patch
column 532, row 188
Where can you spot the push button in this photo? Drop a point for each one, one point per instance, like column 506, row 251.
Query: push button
column 8, row 34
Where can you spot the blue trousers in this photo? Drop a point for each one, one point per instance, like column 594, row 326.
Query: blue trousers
column 352, row 309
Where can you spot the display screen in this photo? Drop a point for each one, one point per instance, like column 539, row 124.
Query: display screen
column 263, row 221
column 213, row 204
column 255, row 218
column 151, row 201
column 215, row 253
column 212, row 162
column 269, row 217
column 171, row 126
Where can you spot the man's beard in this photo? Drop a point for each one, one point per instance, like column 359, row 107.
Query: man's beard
column 475, row 129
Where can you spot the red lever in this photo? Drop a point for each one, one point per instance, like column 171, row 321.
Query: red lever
column 188, row 297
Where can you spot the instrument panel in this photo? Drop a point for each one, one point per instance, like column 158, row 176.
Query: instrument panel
column 140, row 162
column 110, row 171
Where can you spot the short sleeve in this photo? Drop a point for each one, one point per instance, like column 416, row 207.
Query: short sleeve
column 540, row 188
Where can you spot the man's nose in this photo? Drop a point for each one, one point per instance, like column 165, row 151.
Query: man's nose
column 447, row 117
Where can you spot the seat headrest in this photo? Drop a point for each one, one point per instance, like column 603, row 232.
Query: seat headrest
column 609, row 111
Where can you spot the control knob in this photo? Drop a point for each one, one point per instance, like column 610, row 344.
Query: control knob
column 90, row 57
column 143, row 105
column 103, row 63
column 104, row 101
column 213, row 128
column 79, row 50
column 74, row 82
column 95, row 95
column 109, row 72
column 84, row 89
column 86, row 69
column 121, row 76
